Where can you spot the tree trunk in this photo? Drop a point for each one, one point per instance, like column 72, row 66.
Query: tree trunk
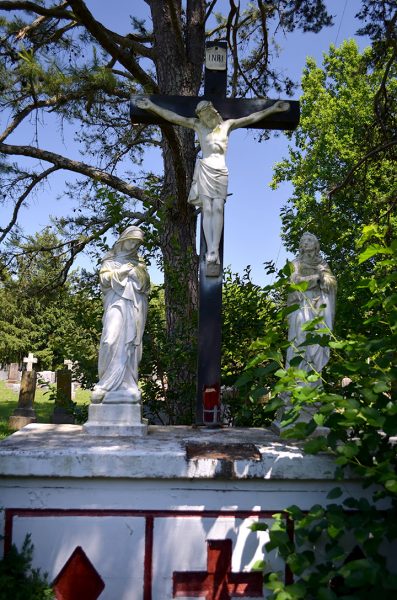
column 179, row 48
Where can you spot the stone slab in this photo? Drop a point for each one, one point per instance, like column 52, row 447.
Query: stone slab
column 62, row 415
column 19, row 421
column 115, row 420
column 46, row 450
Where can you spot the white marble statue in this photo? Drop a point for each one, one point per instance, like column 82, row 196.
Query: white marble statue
column 318, row 300
column 125, row 285
column 209, row 186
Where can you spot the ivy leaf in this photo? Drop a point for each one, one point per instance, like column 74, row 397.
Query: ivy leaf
column 259, row 526
column 391, row 485
column 317, row 444
column 335, row 493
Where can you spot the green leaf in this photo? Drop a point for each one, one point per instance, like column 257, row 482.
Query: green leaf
column 391, row 485
column 373, row 250
column 317, row 444
column 335, row 493
column 259, row 526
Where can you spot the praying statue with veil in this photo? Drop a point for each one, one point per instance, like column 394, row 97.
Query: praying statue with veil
column 316, row 301
column 125, row 286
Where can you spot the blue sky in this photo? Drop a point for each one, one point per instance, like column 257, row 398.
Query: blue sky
column 252, row 222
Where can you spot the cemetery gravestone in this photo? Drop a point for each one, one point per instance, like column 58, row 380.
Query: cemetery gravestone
column 69, row 365
column 13, row 373
column 29, row 361
column 24, row 413
column 63, row 402
column 46, row 377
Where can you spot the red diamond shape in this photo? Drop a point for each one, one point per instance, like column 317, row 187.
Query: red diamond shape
column 78, row 579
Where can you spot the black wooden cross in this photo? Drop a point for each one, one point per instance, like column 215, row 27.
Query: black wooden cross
column 210, row 295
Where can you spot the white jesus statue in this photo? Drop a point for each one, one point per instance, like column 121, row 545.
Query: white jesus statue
column 209, row 186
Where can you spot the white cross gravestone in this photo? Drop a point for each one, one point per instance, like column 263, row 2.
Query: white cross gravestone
column 68, row 364
column 30, row 360
column 25, row 414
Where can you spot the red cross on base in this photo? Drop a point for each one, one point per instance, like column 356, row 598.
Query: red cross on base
column 218, row 583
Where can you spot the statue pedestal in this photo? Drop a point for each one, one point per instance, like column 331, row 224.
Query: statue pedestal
column 116, row 416
column 139, row 512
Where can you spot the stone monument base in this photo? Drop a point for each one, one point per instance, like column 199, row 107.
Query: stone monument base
column 115, row 419
column 16, row 422
column 161, row 516
column 62, row 415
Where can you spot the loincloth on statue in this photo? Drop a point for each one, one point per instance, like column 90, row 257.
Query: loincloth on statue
column 208, row 181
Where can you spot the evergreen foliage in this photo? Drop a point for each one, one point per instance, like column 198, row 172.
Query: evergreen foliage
column 17, row 578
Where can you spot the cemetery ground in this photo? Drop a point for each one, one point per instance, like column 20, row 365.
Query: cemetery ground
column 43, row 405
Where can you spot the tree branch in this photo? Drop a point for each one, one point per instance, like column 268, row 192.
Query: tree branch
column 350, row 174
column 55, row 11
column 61, row 162
column 35, row 180
column 99, row 32
column 22, row 114
column 210, row 9
column 128, row 41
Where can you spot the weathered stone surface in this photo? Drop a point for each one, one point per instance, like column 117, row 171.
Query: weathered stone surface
column 16, row 422
column 24, row 413
column 14, row 373
column 66, row 450
column 115, row 420
column 64, row 388
column 63, row 403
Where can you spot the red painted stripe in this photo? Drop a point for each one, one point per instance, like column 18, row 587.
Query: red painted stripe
column 10, row 513
column 78, row 512
column 8, row 521
column 148, row 560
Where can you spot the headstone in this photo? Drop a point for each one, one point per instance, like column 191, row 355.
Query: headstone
column 47, row 377
column 69, row 365
column 24, row 413
column 63, row 403
column 13, row 373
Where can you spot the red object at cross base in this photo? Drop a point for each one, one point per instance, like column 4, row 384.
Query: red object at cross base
column 212, row 405
column 218, row 583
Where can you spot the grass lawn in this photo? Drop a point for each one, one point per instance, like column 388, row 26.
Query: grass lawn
column 43, row 405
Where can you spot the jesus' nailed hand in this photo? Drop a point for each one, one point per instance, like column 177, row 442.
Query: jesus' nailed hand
column 210, row 179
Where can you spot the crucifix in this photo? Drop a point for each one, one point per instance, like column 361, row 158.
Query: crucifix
column 212, row 117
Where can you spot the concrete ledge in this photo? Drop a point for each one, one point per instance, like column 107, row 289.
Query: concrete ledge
column 58, row 451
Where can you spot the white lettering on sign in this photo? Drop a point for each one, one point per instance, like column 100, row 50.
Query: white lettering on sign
column 215, row 58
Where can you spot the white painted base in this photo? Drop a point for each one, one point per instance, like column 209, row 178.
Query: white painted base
column 115, row 419
column 146, row 509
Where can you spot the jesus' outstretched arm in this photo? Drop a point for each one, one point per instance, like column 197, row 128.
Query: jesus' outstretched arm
column 146, row 104
column 279, row 106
